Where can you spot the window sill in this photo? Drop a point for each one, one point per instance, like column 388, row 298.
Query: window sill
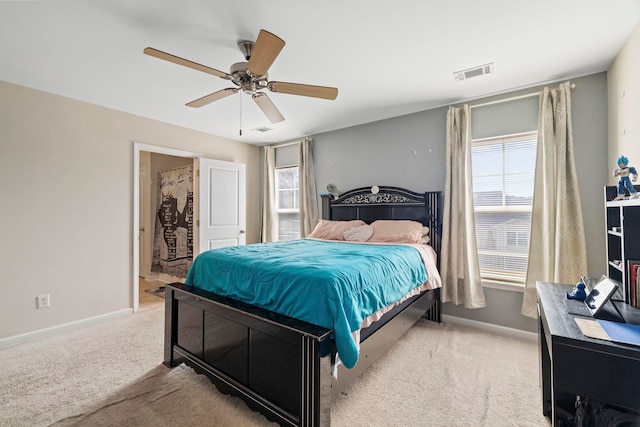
column 504, row 286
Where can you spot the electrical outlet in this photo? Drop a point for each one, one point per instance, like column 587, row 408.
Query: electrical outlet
column 43, row 301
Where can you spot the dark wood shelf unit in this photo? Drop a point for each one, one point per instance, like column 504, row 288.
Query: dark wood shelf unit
column 622, row 220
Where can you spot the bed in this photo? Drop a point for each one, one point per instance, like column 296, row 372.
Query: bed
column 282, row 365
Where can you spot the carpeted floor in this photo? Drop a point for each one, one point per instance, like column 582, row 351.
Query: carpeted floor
column 110, row 374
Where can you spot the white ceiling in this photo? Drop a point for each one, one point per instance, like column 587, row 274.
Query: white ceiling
column 386, row 57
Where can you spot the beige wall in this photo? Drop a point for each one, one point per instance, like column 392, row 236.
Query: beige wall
column 623, row 80
column 66, row 210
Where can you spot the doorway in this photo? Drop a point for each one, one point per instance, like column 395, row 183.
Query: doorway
column 219, row 206
column 142, row 220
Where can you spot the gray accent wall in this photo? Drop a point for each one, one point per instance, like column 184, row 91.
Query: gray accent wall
column 506, row 118
column 409, row 152
column 406, row 151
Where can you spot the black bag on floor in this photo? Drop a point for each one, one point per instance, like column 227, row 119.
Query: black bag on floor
column 591, row 413
column 611, row 417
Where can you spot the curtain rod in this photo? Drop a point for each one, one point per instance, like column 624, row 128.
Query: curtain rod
column 513, row 98
column 286, row 144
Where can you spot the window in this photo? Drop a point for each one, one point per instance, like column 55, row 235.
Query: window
column 287, row 203
column 503, row 177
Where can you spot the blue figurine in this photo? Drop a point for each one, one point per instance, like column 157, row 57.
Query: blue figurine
column 623, row 171
column 578, row 292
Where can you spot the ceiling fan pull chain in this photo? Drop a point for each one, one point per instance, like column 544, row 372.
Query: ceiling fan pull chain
column 240, row 116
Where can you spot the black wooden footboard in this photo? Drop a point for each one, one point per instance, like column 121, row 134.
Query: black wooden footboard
column 273, row 362
column 279, row 366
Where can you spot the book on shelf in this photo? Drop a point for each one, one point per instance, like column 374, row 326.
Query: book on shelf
column 633, row 269
column 637, row 287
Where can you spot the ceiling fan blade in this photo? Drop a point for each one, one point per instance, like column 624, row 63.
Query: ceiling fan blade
column 208, row 99
column 267, row 48
column 304, row 90
column 185, row 62
column 268, row 108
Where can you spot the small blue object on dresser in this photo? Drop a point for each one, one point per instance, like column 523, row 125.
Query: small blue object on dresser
column 578, row 292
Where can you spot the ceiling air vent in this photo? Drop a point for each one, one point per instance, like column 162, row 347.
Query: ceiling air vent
column 261, row 129
column 473, row 72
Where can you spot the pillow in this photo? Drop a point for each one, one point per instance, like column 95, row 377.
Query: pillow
column 425, row 236
column 402, row 231
column 358, row 234
column 334, row 230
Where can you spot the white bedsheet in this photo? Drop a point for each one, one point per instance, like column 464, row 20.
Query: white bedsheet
column 434, row 281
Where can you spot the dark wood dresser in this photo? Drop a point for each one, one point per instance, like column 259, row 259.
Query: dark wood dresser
column 572, row 364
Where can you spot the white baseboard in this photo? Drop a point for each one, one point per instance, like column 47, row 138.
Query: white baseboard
column 489, row 327
column 30, row 336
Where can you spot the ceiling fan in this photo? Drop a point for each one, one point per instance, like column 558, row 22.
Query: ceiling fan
column 251, row 77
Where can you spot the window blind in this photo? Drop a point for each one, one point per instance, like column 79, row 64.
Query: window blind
column 503, row 177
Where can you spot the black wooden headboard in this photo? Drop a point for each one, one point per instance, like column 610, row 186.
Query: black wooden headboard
column 388, row 203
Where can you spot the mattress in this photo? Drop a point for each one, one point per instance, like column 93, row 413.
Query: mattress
column 336, row 285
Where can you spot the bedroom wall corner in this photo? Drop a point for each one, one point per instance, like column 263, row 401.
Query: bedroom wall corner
column 624, row 104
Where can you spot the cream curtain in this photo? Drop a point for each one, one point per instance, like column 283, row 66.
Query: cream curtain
column 308, row 194
column 557, row 251
column 461, row 283
column 269, row 197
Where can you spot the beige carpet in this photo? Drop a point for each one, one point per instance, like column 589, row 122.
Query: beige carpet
column 110, row 374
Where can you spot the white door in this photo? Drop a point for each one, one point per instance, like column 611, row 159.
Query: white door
column 222, row 207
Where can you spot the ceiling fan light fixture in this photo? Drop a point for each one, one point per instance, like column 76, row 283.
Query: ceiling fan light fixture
column 242, row 78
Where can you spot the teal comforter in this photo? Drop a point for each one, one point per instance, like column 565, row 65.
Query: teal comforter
column 331, row 284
